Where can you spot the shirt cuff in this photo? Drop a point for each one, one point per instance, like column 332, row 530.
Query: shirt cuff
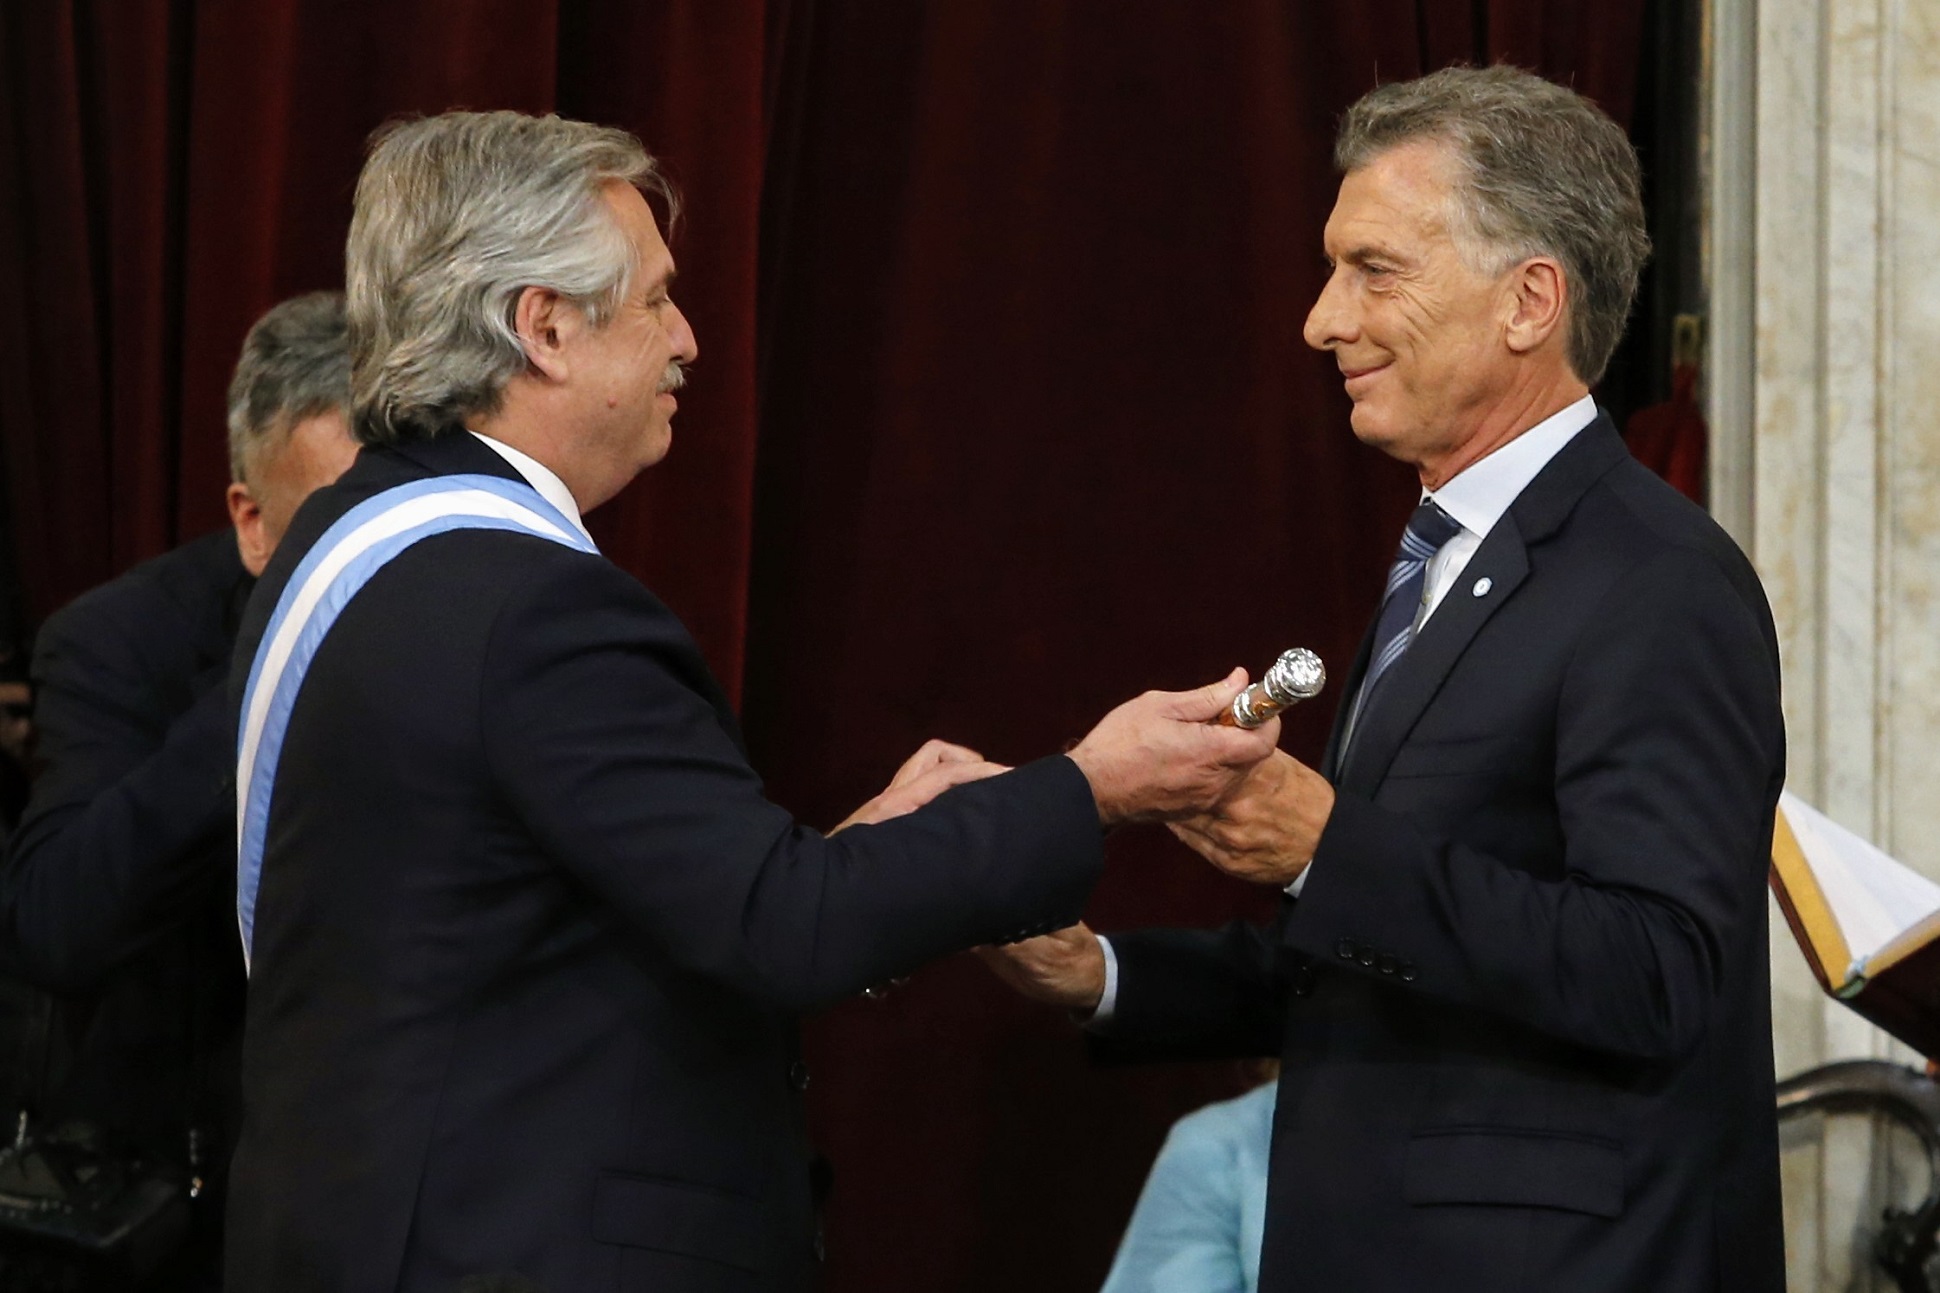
column 1108, row 1000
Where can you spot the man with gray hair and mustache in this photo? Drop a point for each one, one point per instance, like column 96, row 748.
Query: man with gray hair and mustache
column 1519, row 987
column 527, row 943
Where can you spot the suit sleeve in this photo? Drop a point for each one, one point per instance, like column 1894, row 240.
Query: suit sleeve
column 629, row 780
column 1669, row 750
column 128, row 804
column 1195, row 994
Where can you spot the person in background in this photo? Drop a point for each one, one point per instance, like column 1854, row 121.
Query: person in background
column 1199, row 1219
column 119, row 885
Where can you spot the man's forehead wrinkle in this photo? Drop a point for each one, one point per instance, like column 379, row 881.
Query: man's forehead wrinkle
column 1364, row 235
column 1410, row 185
column 1399, row 244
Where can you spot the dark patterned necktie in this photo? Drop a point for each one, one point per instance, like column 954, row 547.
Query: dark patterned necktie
column 1428, row 529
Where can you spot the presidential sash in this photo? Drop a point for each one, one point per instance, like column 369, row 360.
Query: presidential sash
column 352, row 550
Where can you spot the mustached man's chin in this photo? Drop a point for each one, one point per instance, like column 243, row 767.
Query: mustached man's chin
column 658, row 447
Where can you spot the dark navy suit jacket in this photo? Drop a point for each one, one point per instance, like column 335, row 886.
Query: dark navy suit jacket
column 119, row 891
column 530, row 942
column 1522, row 1001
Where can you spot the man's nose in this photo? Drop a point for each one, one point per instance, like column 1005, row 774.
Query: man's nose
column 1327, row 323
column 686, row 347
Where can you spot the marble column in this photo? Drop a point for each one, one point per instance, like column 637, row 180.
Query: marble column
column 1823, row 268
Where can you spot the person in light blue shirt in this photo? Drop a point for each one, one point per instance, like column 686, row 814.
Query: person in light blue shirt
column 1199, row 1219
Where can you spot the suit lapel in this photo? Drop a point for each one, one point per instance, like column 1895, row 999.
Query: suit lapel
column 1411, row 685
column 1330, row 761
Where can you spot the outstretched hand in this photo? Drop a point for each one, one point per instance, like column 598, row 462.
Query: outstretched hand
column 1064, row 968
column 1161, row 755
column 929, row 772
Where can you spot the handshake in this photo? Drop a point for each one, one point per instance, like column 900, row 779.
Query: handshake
column 1226, row 791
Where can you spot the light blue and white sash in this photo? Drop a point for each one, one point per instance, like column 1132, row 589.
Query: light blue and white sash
column 361, row 542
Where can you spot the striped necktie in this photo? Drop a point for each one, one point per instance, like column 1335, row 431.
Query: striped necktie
column 1428, row 529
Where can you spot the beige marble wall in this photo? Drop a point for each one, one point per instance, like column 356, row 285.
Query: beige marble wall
column 1823, row 248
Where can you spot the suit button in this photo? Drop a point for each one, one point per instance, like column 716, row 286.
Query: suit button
column 1345, row 949
column 1303, row 981
column 1407, row 971
column 1389, row 965
column 798, row 1075
column 1367, row 957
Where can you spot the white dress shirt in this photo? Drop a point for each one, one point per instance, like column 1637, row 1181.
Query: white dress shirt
column 1475, row 498
column 1479, row 495
column 541, row 478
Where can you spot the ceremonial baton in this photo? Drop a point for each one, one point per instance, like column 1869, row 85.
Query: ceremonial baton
column 1296, row 676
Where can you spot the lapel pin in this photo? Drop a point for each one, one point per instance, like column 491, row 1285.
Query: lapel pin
column 1482, row 586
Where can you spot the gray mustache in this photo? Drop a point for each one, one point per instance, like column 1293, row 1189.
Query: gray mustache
column 673, row 379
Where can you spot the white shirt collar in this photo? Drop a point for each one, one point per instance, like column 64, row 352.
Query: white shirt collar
column 1480, row 493
column 541, row 478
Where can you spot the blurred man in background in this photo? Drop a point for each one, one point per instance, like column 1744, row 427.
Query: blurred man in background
column 119, row 884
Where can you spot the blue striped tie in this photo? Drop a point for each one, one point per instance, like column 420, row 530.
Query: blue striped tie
column 1428, row 529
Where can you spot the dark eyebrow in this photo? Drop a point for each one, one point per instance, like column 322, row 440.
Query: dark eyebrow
column 660, row 286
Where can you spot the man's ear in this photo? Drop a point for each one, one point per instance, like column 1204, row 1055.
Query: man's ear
column 1538, row 293
column 253, row 544
column 546, row 323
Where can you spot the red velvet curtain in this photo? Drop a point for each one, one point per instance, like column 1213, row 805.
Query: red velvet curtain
column 1036, row 426
column 170, row 169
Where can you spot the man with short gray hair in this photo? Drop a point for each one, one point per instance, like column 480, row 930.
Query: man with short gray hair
column 288, row 427
column 527, row 942
column 119, row 885
column 1519, row 988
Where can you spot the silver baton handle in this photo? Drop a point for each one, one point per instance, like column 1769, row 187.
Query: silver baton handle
column 1296, row 676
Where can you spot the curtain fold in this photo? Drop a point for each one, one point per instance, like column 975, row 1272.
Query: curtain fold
column 175, row 168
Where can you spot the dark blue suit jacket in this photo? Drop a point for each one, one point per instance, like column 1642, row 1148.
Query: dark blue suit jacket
column 530, row 943
column 1523, row 1001
column 119, row 892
